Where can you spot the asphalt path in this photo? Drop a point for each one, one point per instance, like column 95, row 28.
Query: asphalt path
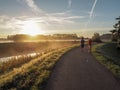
column 77, row 70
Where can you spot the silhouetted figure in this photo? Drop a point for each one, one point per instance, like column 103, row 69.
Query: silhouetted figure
column 89, row 45
column 82, row 43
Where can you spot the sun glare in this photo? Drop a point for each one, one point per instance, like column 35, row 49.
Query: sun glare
column 31, row 28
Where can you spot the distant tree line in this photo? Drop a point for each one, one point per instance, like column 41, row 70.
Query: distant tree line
column 22, row 37
column 18, row 37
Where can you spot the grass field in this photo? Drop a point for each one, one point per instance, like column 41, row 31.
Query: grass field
column 107, row 54
column 19, row 48
column 31, row 73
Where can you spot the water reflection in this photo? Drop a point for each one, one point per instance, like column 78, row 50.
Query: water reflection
column 30, row 55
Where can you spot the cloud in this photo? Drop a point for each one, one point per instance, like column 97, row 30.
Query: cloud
column 63, row 17
column 62, row 20
column 50, row 23
column 10, row 23
column 33, row 7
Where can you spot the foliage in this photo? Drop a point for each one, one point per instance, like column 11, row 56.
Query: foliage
column 96, row 37
column 116, row 33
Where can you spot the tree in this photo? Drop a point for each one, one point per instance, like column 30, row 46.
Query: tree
column 117, row 33
column 114, row 35
column 96, row 37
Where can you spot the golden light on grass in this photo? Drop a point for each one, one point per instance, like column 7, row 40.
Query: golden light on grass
column 31, row 28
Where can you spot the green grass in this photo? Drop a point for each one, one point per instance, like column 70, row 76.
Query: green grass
column 33, row 74
column 107, row 55
column 109, row 50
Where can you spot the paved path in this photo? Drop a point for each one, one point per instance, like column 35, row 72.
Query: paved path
column 78, row 70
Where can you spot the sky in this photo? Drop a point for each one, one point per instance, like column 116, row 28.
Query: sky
column 83, row 17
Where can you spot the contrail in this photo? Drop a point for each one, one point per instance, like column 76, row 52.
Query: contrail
column 91, row 13
column 93, row 7
column 69, row 3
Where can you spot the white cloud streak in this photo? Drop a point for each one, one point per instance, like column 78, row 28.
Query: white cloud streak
column 33, row 7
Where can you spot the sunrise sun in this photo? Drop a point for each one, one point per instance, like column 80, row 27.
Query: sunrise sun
column 31, row 28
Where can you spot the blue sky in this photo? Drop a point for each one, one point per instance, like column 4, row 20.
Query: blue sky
column 83, row 17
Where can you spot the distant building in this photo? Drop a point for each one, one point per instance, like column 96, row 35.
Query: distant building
column 105, row 37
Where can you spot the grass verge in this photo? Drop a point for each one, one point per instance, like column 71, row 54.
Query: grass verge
column 102, row 54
